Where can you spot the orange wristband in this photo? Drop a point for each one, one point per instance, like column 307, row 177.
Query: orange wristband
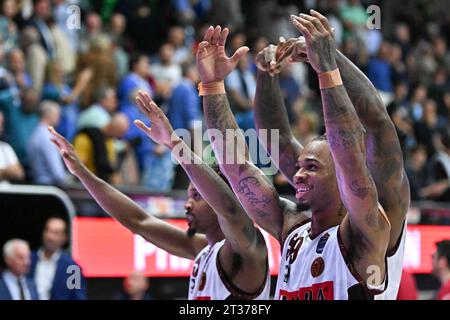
column 330, row 79
column 209, row 89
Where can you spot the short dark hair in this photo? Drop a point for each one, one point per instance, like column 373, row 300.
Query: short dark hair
column 135, row 57
column 443, row 250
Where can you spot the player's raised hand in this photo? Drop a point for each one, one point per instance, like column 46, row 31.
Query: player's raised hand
column 320, row 43
column 212, row 61
column 67, row 152
column 160, row 130
column 266, row 60
column 273, row 58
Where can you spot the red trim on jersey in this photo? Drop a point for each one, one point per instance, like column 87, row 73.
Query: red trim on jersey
column 397, row 244
column 236, row 293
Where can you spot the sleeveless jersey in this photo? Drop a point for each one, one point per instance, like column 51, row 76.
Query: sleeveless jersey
column 209, row 282
column 319, row 269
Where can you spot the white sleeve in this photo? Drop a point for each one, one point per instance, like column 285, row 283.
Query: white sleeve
column 8, row 155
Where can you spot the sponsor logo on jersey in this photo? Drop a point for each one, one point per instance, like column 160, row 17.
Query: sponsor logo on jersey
column 317, row 267
column 318, row 291
column 322, row 243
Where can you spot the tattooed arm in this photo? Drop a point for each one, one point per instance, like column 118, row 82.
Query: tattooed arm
column 270, row 114
column 124, row 210
column 244, row 242
column 235, row 224
column 383, row 151
column 255, row 192
column 346, row 141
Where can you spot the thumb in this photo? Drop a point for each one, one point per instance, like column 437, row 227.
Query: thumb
column 142, row 126
column 239, row 54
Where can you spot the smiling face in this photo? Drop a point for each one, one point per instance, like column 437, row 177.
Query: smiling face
column 200, row 216
column 315, row 181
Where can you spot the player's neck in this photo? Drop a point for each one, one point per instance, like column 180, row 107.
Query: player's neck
column 319, row 225
column 325, row 219
column 214, row 235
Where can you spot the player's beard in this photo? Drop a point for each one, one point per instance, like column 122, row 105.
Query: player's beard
column 191, row 231
column 302, row 207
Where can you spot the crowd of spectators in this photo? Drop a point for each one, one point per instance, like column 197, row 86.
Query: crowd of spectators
column 84, row 81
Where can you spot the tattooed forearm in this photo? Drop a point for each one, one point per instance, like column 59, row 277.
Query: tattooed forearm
column 245, row 188
column 270, row 113
column 360, row 191
column 345, row 139
column 361, row 91
column 218, row 113
column 383, row 151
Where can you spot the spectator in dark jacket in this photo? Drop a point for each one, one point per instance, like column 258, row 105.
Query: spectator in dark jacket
column 56, row 274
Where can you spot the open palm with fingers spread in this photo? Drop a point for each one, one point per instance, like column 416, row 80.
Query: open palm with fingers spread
column 212, row 62
column 160, row 130
column 70, row 158
column 320, row 42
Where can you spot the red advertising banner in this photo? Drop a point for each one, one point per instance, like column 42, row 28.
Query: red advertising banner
column 104, row 248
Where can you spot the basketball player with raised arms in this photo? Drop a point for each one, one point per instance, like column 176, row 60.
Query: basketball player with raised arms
column 383, row 153
column 230, row 254
column 341, row 252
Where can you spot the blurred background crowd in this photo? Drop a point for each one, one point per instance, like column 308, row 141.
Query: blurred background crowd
column 82, row 77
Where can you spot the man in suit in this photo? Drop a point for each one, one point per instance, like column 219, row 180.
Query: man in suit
column 39, row 20
column 52, row 269
column 14, row 285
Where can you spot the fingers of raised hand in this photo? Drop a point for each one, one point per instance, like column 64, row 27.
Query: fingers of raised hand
column 208, row 34
column 315, row 22
column 223, row 37
column 142, row 126
column 216, row 35
column 323, row 20
column 239, row 54
column 297, row 22
column 59, row 138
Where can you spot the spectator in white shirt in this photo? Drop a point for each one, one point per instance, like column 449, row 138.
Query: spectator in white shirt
column 10, row 168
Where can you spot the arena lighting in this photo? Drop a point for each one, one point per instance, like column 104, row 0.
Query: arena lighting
column 104, row 248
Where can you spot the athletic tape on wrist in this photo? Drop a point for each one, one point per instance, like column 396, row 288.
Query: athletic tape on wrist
column 330, row 79
column 208, row 89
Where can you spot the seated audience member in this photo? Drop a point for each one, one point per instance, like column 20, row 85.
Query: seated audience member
column 14, row 285
column 51, row 267
column 96, row 147
column 104, row 106
column 136, row 79
column 10, row 168
column 20, row 122
column 440, row 171
column 441, row 268
column 135, row 287
column 46, row 166
column 416, row 170
column 56, row 89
